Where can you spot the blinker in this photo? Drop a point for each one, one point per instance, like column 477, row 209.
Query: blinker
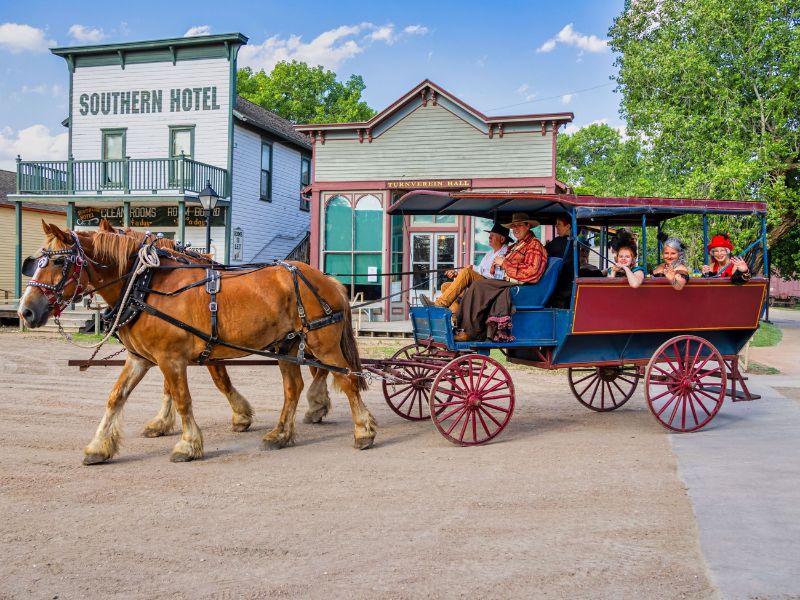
column 30, row 264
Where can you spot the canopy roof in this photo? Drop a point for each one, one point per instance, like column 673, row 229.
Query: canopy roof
column 546, row 207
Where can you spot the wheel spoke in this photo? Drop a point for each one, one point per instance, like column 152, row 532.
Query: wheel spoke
column 483, row 384
column 488, row 414
column 675, row 410
column 400, row 389
column 582, row 379
column 700, row 402
column 484, row 398
column 681, row 368
column 453, row 426
column 495, row 407
column 602, row 394
column 706, row 394
column 464, row 427
column 588, row 386
column 460, row 407
column 663, row 408
column 594, row 393
column 611, row 395
column 405, row 398
column 483, row 423
column 626, row 380
column 653, row 399
column 690, row 401
column 620, row 389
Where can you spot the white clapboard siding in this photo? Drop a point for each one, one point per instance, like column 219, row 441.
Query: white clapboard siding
column 147, row 134
column 32, row 239
column 433, row 142
column 271, row 229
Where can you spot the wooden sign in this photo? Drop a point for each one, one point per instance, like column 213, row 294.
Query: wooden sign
column 430, row 184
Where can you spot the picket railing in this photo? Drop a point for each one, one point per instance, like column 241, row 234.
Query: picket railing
column 179, row 174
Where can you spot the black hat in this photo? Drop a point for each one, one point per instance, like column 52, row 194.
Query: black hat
column 497, row 228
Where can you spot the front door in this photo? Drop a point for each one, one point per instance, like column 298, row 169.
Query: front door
column 431, row 255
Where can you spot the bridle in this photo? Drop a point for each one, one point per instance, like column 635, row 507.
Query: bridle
column 75, row 260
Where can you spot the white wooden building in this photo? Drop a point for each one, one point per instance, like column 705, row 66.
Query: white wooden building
column 427, row 139
column 150, row 124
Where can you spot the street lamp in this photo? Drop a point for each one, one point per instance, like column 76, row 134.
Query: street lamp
column 208, row 199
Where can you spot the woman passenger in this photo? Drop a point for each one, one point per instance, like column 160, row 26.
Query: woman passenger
column 624, row 245
column 723, row 264
column 674, row 266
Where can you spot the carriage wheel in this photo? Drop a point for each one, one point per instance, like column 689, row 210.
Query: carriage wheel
column 409, row 397
column 603, row 388
column 685, row 383
column 472, row 399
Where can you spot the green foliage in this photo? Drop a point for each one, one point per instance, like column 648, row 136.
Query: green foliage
column 304, row 94
column 714, row 88
column 766, row 335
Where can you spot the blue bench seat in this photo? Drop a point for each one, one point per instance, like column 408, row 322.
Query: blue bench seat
column 536, row 295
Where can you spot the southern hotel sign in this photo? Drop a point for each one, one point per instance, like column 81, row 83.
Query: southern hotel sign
column 149, row 101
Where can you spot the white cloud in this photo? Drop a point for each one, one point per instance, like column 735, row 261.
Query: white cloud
column 481, row 62
column 198, row 30
column 21, row 38
column 523, row 88
column 573, row 128
column 566, row 98
column 329, row 49
column 44, row 89
column 33, row 143
column 83, row 34
column 570, row 37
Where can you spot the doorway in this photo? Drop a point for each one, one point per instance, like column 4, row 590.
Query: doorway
column 431, row 254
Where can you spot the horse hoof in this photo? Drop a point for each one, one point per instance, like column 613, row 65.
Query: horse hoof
column 312, row 419
column 178, row 457
column 152, row 433
column 94, row 459
column 240, row 427
column 271, row 445
column 364, row 443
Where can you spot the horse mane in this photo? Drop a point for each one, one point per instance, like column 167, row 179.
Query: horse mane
column 120, row 248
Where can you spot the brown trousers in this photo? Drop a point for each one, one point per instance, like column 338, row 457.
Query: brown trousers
column 452, row 290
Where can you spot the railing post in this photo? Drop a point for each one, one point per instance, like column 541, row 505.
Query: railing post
column 182, row 180
column 19, row 174
column 70, row 175
column 126, row 183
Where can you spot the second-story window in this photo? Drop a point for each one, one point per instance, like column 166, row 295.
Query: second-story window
column 181, row 143
column 113, row 154
column 266, row 171
column 305, row 180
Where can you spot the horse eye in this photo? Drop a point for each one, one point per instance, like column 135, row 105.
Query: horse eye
column 58, row 261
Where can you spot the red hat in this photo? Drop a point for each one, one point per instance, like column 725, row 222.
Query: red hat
column 721, row 241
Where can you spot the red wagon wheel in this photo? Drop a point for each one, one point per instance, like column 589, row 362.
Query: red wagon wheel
column 685, row 383
column 407, row 396
column 472, row 399
column 603, row 388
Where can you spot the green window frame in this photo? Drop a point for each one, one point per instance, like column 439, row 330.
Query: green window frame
column 112, row 176
column 265, row 177
column 174, row 167
column 305, row 179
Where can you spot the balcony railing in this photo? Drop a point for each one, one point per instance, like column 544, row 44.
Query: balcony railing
column 128, row 175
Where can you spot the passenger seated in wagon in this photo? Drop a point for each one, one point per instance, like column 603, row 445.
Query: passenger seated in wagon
column 674, row 266
column 624, row 247
column 561, row 247
column 723, row 264
column 489, row 300
column 499, row 237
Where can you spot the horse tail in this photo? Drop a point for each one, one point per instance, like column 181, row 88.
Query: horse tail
column 348, row 342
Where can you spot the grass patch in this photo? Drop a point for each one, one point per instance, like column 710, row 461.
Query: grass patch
column 91, row 338
column 766, row 335
column 759, row 369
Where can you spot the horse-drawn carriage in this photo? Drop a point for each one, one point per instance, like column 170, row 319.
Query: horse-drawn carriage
column 174, row 309
column 684, row 344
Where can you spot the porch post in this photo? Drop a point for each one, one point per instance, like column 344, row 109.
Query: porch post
column 126, row 208
column 70, row 215
column 18, row 249
column 182, row 221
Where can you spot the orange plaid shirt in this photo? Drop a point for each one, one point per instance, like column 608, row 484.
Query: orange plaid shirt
column 526, row 260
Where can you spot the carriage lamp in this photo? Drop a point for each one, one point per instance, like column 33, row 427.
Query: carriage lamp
column 208, row 199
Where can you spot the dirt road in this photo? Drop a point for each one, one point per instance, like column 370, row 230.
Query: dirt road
column 564, row 504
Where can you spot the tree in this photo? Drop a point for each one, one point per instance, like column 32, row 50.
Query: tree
column 714, row 88
column 304, row 94
column 596, row 160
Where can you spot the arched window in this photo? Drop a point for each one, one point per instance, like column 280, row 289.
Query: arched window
column 354, row 244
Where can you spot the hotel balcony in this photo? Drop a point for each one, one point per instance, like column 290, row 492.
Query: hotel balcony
column 129, row 175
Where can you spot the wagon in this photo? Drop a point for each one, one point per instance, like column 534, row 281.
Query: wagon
column 681, row 346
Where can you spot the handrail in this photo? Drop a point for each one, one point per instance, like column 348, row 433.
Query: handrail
column 126, row 175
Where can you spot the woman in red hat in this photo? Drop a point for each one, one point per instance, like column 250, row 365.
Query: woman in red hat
column 723, row 263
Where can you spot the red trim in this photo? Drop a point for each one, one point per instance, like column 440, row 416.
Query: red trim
column 315, row 229
column 511, row 182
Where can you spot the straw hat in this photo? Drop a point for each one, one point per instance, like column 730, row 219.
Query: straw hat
column 521, row 217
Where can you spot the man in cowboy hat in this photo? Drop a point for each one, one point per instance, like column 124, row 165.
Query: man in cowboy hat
column 488, row 299
column 499, row 237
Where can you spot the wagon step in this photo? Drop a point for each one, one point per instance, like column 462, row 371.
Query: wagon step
column 739, row 396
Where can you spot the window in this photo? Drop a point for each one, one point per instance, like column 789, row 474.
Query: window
column 305, row 179
column 481, row 238
column 266, row 171
column 113, row 155
column 181, row 143
column 354, row 243
column 430, row 219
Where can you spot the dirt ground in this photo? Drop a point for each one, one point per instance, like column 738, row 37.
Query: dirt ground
column 565, row 503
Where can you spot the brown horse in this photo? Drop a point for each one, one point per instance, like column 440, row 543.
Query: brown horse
column 257, row 309
column 319, row 402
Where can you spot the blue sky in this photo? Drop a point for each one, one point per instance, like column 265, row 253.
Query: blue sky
column 501, row 58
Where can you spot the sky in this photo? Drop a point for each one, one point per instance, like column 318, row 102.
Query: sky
column 501, row 57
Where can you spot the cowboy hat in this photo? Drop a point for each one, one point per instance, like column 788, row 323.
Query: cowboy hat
column 521, row 217
column 500, row 230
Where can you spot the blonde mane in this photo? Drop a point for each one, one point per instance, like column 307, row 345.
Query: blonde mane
column 120, row 248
